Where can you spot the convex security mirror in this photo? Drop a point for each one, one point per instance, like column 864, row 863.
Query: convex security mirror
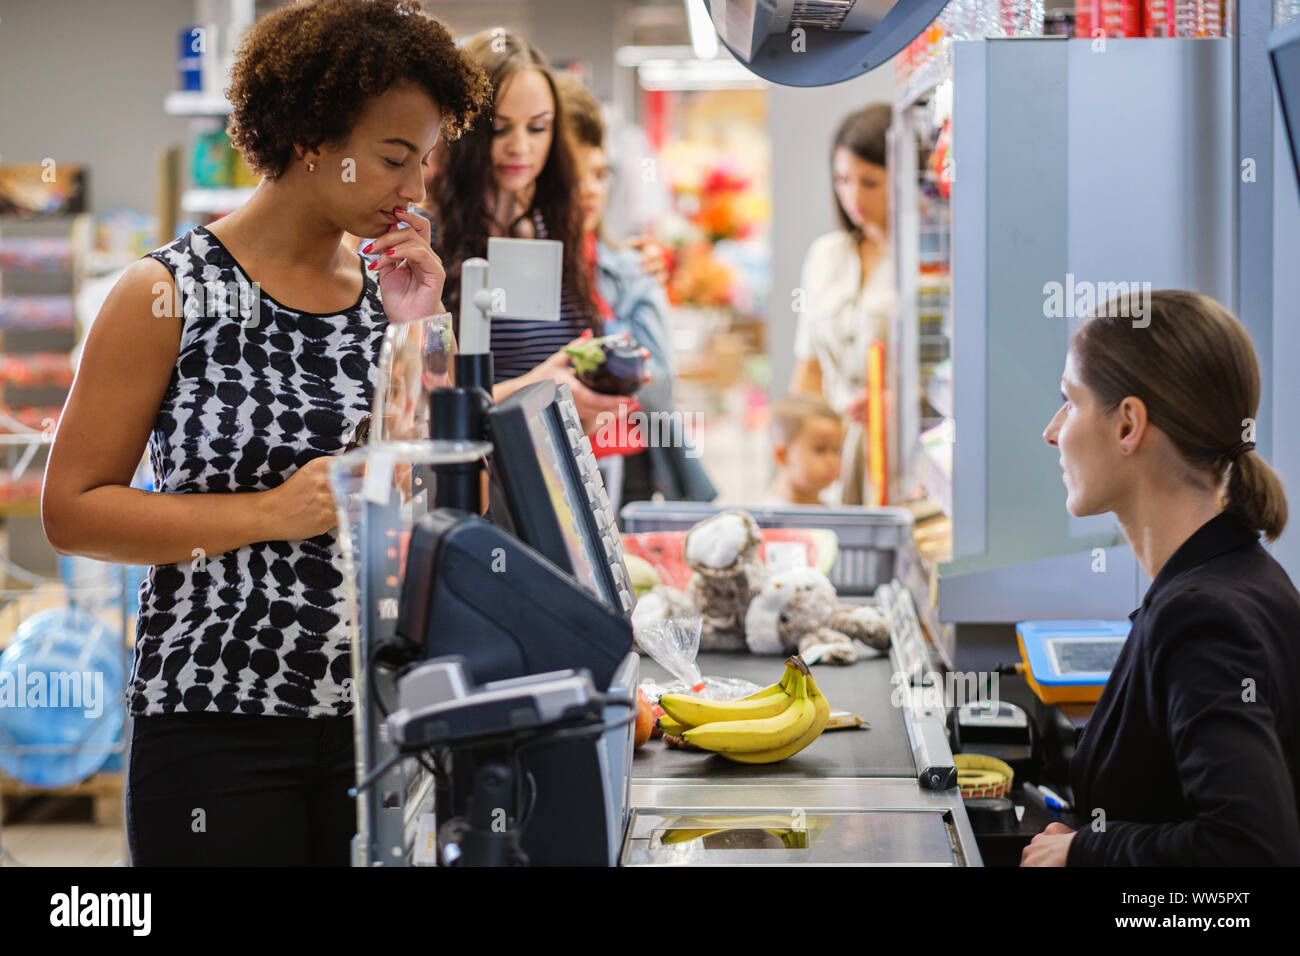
column 818, row 42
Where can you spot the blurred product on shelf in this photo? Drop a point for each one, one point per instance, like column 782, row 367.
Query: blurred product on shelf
column 930, row 53
column 121, row 237
column 1186, row 19
column 25, row 488
column 190, row 63
column 42, row 190
column 215, row 163
column 36, row 255
column 1058, row 23
column 36, row 312
column 1158, row 18
column 1021, row 18
column 1113, row 18
column 36, row 369
column 1198, row 18
column 31, row 418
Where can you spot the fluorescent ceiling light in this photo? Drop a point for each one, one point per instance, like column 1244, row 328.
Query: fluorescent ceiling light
column 697, row 75
column 636, row 55
column 703, row 37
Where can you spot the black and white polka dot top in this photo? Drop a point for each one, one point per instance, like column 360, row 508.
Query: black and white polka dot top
column 258, row 390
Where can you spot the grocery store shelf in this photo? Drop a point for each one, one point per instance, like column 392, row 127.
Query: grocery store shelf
column 934, row 464
column 938, row 392
column 199, row 200
column 190, row 103
column 922, row 80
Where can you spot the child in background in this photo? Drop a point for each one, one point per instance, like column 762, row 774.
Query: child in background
column 807, row 442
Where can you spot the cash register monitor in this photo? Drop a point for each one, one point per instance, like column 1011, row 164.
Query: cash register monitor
column 550, row 593
column 554, row 492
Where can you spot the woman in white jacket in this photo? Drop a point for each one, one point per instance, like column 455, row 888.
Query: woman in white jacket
column 848, row 289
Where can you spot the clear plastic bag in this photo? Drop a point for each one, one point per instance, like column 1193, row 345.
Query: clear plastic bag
column 674, row 645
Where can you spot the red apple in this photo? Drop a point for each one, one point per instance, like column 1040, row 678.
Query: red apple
column 645, row 719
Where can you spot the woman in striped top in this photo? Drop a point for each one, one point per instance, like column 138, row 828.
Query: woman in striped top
column 517, row 177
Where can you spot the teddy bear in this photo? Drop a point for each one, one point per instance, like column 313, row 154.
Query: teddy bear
column 745, row 606
column 797, row 610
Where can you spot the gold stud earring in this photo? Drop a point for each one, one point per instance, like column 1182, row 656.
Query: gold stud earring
column 311, row 167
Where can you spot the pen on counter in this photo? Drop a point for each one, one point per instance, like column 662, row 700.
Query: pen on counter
column 1054, row 800
column 1035, row 796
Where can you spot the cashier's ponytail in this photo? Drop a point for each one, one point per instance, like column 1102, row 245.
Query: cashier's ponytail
column 1255, row 492
column 1192, row 363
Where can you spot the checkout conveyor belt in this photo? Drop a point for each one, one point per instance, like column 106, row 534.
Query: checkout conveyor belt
column 862, row 688
column 853, row 797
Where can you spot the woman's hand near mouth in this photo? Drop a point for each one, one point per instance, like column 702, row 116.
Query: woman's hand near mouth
column 411, row 275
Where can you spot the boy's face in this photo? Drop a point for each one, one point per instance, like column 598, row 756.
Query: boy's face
column 812, row 460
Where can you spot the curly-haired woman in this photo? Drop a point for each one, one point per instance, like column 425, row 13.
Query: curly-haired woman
column 244, row 354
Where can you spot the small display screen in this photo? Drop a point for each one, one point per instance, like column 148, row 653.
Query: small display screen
column 567, row 498
column 1087, row 655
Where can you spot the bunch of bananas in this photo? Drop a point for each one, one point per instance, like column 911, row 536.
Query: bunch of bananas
column 770, row 725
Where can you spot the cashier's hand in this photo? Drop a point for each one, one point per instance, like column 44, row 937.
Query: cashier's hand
column 1049, row 848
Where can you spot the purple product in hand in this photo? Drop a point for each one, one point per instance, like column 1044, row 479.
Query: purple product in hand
column 611, row 364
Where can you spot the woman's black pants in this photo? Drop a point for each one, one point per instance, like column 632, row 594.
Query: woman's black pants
column 211, row 789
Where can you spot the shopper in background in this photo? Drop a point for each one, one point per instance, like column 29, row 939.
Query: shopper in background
column 244, row 354
column 848, row 288
column 516, row 176
column 1192, row 755
column 632, row 301
column 807, row 443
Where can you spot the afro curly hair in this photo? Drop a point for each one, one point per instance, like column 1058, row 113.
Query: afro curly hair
column 303, row 74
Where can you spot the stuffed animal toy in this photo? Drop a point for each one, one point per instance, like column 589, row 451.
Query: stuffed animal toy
column 798, row 610
column 744, row 606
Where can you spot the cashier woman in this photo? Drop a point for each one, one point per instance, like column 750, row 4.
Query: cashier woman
column 1192, row 755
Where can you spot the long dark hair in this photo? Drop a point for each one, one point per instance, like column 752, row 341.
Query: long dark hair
column 1195, row 369
column 459, row 204
column 862, row 133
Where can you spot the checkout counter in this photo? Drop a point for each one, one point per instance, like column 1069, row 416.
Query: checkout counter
column 862, row 795
column 496, row 685
column 494, row 673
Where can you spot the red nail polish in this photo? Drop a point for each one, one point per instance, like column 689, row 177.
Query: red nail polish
column 390, row 252
column 368, row 248
column 373, row 265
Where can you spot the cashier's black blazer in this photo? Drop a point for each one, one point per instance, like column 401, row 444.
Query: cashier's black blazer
column 1192, row 755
